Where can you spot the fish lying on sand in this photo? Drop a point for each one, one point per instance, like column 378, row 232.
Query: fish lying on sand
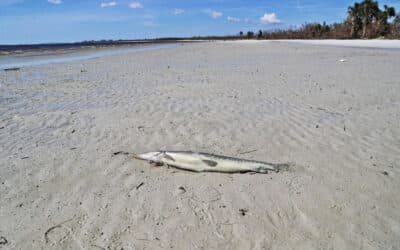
column 204, row 162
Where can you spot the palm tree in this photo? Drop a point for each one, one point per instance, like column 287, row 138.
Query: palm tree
column 390, row 11
column 260, row 33
column 383, row 26
column 369, row 11
column 367, row 15
column 396, row 25
column 354, row 19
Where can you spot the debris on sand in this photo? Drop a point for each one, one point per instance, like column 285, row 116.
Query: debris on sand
column 182, row 189
column 46, row 234
column 3, row 240
column 243, row 211
column 138, row 186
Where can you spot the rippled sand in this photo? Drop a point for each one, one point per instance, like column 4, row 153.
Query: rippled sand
column 61, row 186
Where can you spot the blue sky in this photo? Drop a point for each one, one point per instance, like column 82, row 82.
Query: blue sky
column 39, row 21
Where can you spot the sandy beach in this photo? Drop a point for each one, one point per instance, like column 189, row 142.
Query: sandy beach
column 332, row 112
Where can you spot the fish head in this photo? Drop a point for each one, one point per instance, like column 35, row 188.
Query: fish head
column 151, row 156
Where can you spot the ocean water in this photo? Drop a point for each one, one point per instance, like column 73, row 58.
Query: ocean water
column 24, row 60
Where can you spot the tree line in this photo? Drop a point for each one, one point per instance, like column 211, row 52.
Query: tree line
column 364, row 20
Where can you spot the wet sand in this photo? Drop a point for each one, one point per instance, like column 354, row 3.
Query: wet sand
column 337, row 121
column 51, row 56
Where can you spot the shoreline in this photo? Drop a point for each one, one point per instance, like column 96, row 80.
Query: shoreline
column 46, row 47
column 21, row 48
column 42, row 57
column 51, row 55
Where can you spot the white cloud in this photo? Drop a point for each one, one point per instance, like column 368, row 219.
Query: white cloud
column 269, row 18
column 178, row 11
column 233, row 19
column 109, row 4
column 216, row 14
column 213, row 13
column 135, row 5
column 54, row 1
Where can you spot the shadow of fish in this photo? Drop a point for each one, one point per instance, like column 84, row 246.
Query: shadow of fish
column 204, row 162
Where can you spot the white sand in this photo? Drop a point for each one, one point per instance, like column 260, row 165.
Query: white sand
column 338, row 122
column 386, row 44
column 383, row 44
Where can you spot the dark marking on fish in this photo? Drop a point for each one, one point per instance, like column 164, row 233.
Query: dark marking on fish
column 120, row 152
column 12, row 69
column 167, row 156
column 210, row 163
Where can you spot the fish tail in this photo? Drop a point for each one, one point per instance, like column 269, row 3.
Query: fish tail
column 279, row 167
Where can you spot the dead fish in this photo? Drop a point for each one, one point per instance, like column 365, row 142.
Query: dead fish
column 205, row 162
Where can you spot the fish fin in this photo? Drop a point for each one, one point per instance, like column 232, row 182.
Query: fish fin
column 168, row 157
column 210, row 163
